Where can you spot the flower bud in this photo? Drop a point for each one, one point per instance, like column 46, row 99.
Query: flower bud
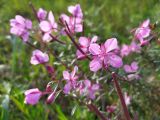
column 50, row 69
column 48, row 88
column 50, row 98
column 111, row 108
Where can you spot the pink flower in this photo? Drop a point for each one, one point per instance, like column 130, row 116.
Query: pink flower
column 134, row 47
column 71, row 80
column 131, row 68
column 127, row 99
column 20, row 27
column 76, row 11
column 38, row 57
column 74, row 22
column 48, row 26
column 105, row 55
column 128, row 49
column 32, row 96
column 84, row 45
column 41, row 14
column 142, row 32
column 125, row 50
column 111, row 108
column 91, row 89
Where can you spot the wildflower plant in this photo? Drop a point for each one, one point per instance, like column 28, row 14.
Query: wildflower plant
column 102, row 57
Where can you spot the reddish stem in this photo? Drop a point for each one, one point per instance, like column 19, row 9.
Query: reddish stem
column 34, row 11
column 119, row 92
column 77, row 46
column 55, row 38
column 95, row 109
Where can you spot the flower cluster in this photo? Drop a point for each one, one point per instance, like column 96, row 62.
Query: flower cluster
column 107, row 56
column 84, row 87
column 20, row 27
column 75, row 21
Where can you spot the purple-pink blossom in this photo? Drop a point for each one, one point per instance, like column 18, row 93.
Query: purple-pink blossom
column 142, row 32
column 32, row 96
column 20, row 27
column 131, row 68
column 75, row 21
column 90, row 89
column 71, row 80
column 128, row 49
column 105, row 55
column 125, row 50
column 76, row 11
column 38, row 57
column 48, row 26
column 84, row 45
column 41, row 14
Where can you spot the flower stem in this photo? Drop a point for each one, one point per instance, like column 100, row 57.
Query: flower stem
column 56, row 39
column 119, row 92
column 34, row 11
column 77, row 46
column 93, row 108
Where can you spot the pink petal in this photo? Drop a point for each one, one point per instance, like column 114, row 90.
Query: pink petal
column 32, row 96
column 51, row 18
column 92, row 95
column 28, row 24
column 74, row 71
column 114, row 61
column 66, row 75
column 67, row 88
column 94, row 49
column 45, row 26
column 127, row 99
column 127, row 68
column 46, row 37
column 84, row 41
column 145, row 23
column 78, row 28
column 134, row 66
column 15, row 31
column 87, row 83
column 20, row 19
column 95, row 87
column 94, row 39
column 41, row 14
column 76, row 11
column 34, row 90
column 64, row 18
column 134, row 47
column 111, row 44
column 25, row 36
column 142, row 33
column 95, row 65
column 80, row 55
column 125, row 50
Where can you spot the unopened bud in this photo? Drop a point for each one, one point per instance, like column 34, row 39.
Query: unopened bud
column 50, row 98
